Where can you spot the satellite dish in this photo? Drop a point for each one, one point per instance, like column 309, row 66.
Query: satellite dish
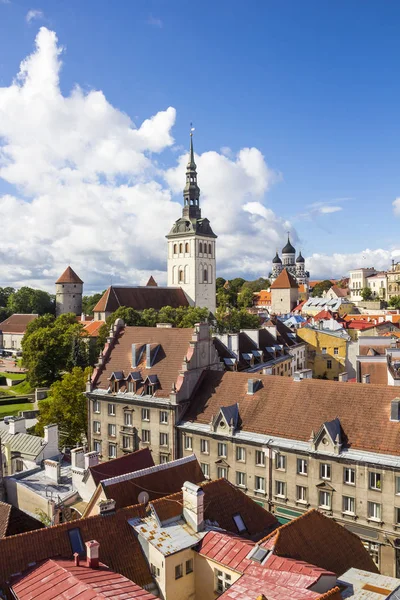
column 143, row 497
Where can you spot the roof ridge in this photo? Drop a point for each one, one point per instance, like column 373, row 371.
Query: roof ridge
column 148, row 470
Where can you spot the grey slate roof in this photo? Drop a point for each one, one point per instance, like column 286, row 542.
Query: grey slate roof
column 30, row 445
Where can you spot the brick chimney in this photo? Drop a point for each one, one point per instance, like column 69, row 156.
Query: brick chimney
column 193, row 505
column 92, row 554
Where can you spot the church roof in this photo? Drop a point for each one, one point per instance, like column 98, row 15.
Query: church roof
column 300, row 258
column 151, row 282
column 288, row 249
column 284, row 281
column 276, row 259
column 140, row 298
column 69, row 276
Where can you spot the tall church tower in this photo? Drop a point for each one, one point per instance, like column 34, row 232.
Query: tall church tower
column 69, row 292
column 191, row 246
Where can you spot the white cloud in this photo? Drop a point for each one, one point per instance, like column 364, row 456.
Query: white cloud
column 396, row 207
column 33, row 14
column 338, row 264
column 155, row 22
column 326, row 210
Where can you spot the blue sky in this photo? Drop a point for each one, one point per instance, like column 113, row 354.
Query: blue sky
column 313, row 85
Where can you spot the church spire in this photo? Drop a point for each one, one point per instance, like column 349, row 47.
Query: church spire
column 191, row 192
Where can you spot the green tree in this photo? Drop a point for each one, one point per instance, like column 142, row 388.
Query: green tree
column 257, row 285
column 27, row 301
column 130, row 316
column 4, row 313
column 89, row 302
column 394, row 302
column 47, row 348
column 245, row 297
column 149, row 317
column 236, row 319
column 66, row 406
column 219, row 283
column 5, row 293
column 189, row 316
column 366, row 293
column 319, row 288
column 236, row 284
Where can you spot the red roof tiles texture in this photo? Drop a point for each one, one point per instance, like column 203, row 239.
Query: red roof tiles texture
column 139, row 298
column 69, row 276
column 284, row 281
column 13, row 521
column 134, row 461
column 17, row 323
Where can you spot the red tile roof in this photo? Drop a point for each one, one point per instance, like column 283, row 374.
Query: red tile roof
column 120, row 549
column 13, row 521
column 284, row 281
column 69, row 276
column 324, row 314
column 91, row 328
column 151, row 282
column 340, row 292
column 262, row 298
column 134, row 461
column 17, row 323
column 227, row 549
column 60, row 578
column 139, row 298
column 305, row 538
column 290, row 409
column 174, row 346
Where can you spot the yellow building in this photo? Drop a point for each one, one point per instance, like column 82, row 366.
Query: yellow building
column 328, row 352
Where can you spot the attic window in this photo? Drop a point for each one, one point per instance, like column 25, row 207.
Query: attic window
column 259, row 554
column 241, row 527
column 150, row 384
column 76, row 542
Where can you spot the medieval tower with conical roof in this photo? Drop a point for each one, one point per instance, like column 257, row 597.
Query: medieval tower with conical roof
column 69, row 292
column 191, row 246
column 295, row 266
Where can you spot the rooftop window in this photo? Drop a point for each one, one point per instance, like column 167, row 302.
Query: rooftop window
column 239, row 523
column 259, row 554
column 76, row 542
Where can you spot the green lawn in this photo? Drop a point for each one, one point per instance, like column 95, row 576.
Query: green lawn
column 13, row 375
column 13, row 409
column 22, row 388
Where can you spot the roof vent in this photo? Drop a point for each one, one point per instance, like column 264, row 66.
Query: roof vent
column 252, row 386
column 343, row 376
column 395, row 410
column 106, row 507
column 366, row 378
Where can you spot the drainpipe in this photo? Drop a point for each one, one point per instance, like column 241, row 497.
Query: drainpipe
column 269, row 454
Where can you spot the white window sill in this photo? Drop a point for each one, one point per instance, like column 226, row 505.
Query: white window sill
column 262, row 466
column 303, row 502
column 325, row 507
column 349, row 483
column 374, row 520
column 375, row 489
column 303, row 474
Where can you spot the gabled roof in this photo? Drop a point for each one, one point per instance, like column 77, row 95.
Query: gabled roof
column 230, row 414
column 119, row 547
column 340, row 292
column 91, row 328
column 291, row 409
column 305, row 538
column 167, row 364
column 17, row 323
column 25, row 443
column 61, row 578
column 13, row 521
column 284, row 281
column 139, row 298
column 69, row 276
column 323, row 315
column 222, row 501
column 134, row 461
column 151, row 282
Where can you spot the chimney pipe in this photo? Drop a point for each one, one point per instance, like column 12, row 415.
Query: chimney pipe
column 92, row 554
column 193, row 505
column 76, row 559
column 343, row 376
column 366, row 378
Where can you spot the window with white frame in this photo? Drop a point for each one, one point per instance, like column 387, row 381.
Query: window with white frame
column 96, row 406
column 302, row 467
column 323, row 350
column 163, row 439
column 126, row 442
column 280, row 462
column 164, row 458
column 260, row 484
column 112, row 430
column 222, row 449
column 96, row 427
column 240, row 454
column 222, row 581
column 97, row 446
column 205, row 467
column 325, row 499
column 280, row 489
column 349, row 476
column 204, row 446
column 128, row 418
column 374, row 552
column 155, row 571
column 240, row 479
column 301, row 494
column 188, row 442
column 222, row 472
column 260, row 458
column 164, row 417
column 374, row 511
column 111, row 410
column 336, row 351
column 325, row 471
column 112, row 451
column 375, row 481
column 146, row 436
column 145, row 414
column 397, row 515
column 349, row 505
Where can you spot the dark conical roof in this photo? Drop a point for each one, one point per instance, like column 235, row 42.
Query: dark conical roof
column 288, row 249
column 276, row 259
column 300, row 258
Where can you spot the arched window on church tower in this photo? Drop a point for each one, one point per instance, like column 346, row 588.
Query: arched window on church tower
column 180, row 248
column 200, row 248
column 181, row 276
column 175, row 248
column 209, row 249
column 205, row 276
column 187, row 248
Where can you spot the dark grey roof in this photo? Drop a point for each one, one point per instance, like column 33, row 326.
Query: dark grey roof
column 277, row 260
column 288, row 249
column 152, row 379
column 135, row 375
column 333, row 428
column 231, row 414
column 300, row 258
column 118, row 375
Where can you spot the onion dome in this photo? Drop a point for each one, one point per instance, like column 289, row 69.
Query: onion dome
column 288, row 249
column 300, row 258
column 276, row 259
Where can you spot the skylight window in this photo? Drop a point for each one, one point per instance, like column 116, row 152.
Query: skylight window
column 259, row 554
column 239, row 523
column 76, row 542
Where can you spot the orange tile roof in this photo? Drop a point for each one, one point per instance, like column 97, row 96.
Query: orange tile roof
column 286, row 408
column 139, row 298
column 69, row 276
column 91, row 328
column 302, row 288
column 284, row 281
column 305, row 538
column 262, row 298
column 13, row 521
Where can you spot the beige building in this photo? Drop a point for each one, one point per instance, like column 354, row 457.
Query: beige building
column 12, row 331
column 358, row 281
column 284, row 293
column 378, row 285
column 299, row 444
column 141, row 387
column 393, row 280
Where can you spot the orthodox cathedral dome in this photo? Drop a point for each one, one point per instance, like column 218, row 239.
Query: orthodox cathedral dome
column 288, row 249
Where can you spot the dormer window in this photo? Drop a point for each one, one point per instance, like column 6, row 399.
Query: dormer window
column 115, row 380
column 133, row 382
column 150, row 385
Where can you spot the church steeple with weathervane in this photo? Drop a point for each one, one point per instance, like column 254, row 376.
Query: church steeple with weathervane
column 191, row 246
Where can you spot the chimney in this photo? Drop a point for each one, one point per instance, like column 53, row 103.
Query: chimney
column 77, row 458
column 106, row 507
column 16, row 425
column 366, row 378
column 51, row 435
column 395, row 410
column 52, row 470
column 76, row 559
column 297, row 376
column 252, row 386
column 91, row 459
column 148, row 356
column 134, row 365
column 83, row 317
column 193, row 505
column 164, row 325
column 92, row 554
column 343, row 376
